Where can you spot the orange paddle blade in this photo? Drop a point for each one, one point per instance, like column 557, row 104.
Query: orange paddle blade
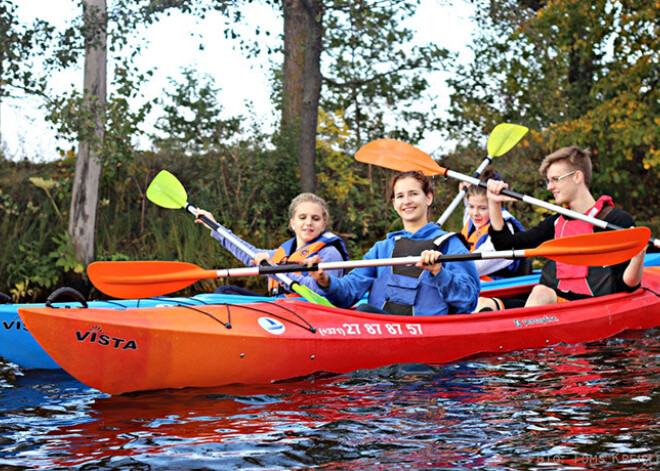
column 397, row 155
column 597, row 249
column 138, row 279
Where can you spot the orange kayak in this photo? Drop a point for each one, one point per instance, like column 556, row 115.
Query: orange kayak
column 120, row 351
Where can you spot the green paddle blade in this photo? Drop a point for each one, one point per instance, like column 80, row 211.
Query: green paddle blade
column 166, row 191
column 504, row 137
column 310, row 295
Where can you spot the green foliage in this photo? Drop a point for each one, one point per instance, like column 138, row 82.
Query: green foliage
column 19, row 45
column 575, row 72
column 372, row 74
column 192, row 123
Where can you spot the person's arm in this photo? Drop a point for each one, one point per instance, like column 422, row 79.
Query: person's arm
column 458, row 282
column 533, row 237
column 235, row 251
column 326, row 254
column 346, row 291
column 490, row 265
column 632, row 276
column 238, row 253
column 495, row 200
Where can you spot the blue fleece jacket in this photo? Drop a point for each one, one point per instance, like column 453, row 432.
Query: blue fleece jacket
column 456, row 285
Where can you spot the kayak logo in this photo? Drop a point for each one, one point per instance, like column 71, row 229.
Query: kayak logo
column 271, row 325
column 95, row 335
column 14, row 324
column 535, row 321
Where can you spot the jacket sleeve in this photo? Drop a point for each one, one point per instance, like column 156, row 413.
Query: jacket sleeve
column 531, row 238
column 346, row 291
column 487, row 266
column 458, row 282
column 236, row 252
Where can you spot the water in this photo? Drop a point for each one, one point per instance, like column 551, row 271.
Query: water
column 590, row 406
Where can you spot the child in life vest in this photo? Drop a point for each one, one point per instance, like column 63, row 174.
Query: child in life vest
column 308, row 219
column 475, row 230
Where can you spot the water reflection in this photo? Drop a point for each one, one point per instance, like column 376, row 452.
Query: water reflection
column 567, row 407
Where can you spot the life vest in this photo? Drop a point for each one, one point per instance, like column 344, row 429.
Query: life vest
column 404, row 285
column 476, row 237
column 574, row 278
column 288, row 253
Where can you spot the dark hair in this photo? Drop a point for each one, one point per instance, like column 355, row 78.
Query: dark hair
column 489, row 174
column 425, row 182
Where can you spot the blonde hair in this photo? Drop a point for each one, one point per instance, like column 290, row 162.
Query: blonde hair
column 309, row 198
column 576, row 158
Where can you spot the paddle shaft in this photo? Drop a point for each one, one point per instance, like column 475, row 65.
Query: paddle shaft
column 344, row 265
column 461, row 194
column 543, row 204
column 288, row 282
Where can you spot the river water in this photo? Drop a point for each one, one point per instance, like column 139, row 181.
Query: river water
column 587, row 406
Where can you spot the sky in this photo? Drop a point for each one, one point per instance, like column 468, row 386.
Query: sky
column 243, row 82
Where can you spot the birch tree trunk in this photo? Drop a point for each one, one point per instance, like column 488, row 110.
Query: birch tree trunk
column 87, row 179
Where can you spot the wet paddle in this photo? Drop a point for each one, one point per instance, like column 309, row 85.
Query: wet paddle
column 138, row 279
column 501, row 140
column 400, row 156
column 166, row 190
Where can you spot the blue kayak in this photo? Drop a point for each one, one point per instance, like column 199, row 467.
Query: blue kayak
column 18, row 346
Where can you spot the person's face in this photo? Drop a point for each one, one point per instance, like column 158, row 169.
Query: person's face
column 410, row 201
column 562, row 182
column 308, row 222
column 478, row 210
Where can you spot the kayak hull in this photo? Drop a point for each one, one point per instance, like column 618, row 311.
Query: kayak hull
column 174, row 347
column 18, row 346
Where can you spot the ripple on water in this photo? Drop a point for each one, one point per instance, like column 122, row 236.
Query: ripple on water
column 586, row 406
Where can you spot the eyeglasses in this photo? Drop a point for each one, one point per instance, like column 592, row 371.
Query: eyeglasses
column 560, row 178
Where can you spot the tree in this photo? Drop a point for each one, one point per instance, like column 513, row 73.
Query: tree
column 575, row 72
column 301, row 77
column 191, row 123
column 84, row 199
column 374, row 74
column 18, row 44
column 361, row 54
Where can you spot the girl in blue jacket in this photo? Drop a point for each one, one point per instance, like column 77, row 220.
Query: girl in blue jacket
column 426, row 289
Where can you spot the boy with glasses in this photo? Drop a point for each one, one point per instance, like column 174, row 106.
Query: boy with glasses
column 568, row 176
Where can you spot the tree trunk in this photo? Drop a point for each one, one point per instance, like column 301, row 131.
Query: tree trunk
column 301, row 77
column 87, row 179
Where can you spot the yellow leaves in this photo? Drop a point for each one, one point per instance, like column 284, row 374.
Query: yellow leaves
column 21, row 290
column 652, row 158
column 628, row 154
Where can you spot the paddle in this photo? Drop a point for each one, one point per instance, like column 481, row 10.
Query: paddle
column 400, row 156
column 166, row 191
column 501, row 140
column 155, row 278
